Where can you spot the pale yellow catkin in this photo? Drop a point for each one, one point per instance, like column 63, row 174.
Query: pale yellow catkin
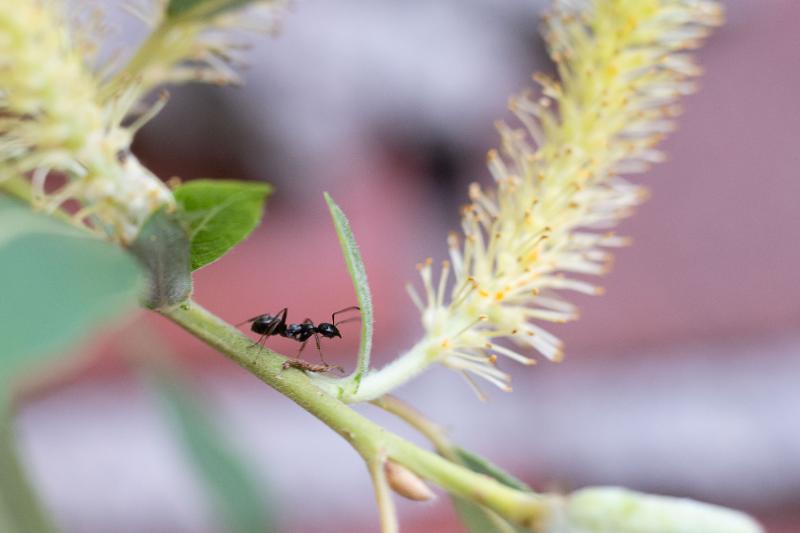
column 558, row 188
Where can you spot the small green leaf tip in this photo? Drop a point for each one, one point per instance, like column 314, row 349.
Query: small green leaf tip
column 219, row 215
column 359, row 276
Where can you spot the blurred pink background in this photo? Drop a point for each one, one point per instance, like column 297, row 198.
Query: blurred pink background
column 682, row 379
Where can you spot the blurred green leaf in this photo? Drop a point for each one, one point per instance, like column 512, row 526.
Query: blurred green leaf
column 20, row 509
column 198, row 9
column 220, row 214
column 235, row 492
column 56, row 283
column 359, row 276
column 475, row 518
column 476, row 463
column 162, row 246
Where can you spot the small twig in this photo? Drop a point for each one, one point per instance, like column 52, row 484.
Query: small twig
column 430, row 430
column 383, row 495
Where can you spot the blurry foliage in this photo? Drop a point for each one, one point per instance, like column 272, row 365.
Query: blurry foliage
column 57, row 284
column 234, row 490
column 475, row 518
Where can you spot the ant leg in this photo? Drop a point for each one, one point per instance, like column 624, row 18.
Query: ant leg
column 273, row 327
column 351, row 308
column 281, row 312
column 302, row 347
column 316, row 339
column 258, row 342
column 319, row 350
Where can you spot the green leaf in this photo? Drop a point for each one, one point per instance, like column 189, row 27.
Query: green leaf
column 198, row 9
column 220, row 214
column 478, row 519
column 478, row 464
column 20, row 509
column 475, row 518
column 56, row 284
column 235, row 492
column 162, row 246
column 359, row 276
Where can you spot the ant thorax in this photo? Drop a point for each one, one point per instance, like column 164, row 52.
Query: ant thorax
column 299, row 332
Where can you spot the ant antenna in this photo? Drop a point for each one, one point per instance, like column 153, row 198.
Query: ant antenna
column 351, row 308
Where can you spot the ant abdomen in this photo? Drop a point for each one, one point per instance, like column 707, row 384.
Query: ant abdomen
column 267, row 324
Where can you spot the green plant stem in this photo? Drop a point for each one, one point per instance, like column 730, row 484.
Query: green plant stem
column 369, row 439
column 377, row 383
column 430, row 430
column 20, row 188
column 20, row 510
column 436, row 435
column 17, row 187
column 383, row 495
column 157, row 45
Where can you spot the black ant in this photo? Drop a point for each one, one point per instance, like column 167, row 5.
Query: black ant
column 269, row 325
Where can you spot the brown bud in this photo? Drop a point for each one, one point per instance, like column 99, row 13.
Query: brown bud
column 406, row 483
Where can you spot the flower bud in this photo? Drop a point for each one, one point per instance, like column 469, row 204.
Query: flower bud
column 617, row 510
column 406, row 483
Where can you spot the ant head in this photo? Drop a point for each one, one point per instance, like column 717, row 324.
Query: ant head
column 328, row 330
